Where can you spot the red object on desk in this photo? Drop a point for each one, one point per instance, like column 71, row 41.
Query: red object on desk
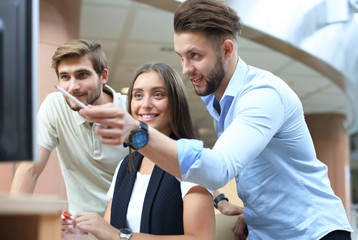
column 67, row 215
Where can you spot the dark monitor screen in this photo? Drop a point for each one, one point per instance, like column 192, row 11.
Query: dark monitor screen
column 18, row 76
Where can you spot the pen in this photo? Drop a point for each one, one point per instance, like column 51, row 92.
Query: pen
column 70, row 96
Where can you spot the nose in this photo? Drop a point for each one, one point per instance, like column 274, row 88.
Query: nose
column 187, row 67
column 73, row 85
column 147, row 102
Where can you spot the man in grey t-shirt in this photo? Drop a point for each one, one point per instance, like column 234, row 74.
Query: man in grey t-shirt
column 87, row 165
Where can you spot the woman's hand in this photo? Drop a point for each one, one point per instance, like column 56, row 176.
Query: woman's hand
column 93, row 223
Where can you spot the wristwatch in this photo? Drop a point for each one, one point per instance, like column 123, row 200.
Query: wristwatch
column 219, row 198
column 125, row 233
column 138, row 138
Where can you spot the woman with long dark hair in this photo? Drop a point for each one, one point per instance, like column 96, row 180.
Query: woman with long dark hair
column 146, row 201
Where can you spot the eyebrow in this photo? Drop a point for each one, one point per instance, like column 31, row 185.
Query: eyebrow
column 192, row 49
column 154, row 88
column 76, row 72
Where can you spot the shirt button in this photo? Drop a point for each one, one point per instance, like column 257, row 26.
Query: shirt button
column 251, row 227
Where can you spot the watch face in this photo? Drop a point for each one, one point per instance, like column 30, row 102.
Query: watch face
column 140, row 139
column 125, row 233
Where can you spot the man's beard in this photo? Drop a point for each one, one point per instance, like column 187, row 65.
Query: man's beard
column 213, row 79
column 91, row 99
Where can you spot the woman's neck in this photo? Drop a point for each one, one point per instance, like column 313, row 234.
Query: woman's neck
column 146, row 167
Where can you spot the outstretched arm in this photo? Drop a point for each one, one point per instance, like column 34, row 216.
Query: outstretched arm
column 116, row 125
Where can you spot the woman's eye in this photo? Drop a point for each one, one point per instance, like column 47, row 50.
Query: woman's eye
column 158, row 95
column 137, row 95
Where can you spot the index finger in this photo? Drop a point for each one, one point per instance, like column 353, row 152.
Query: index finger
column 102, row 113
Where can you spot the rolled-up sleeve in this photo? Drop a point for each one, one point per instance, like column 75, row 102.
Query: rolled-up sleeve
column 200, row 165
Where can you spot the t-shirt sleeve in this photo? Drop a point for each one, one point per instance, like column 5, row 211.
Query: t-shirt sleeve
column 46, row 123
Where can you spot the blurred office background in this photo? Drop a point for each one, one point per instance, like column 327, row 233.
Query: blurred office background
column 311, row 44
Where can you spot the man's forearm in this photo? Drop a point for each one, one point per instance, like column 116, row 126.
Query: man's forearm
column 226, row 207
column 163, row 151
column 116, row 125
column 24, row 180
column 27, row 173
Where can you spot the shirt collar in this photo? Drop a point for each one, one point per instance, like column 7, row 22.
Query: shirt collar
column 237, row 80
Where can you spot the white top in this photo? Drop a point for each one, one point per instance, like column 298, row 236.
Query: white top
column 135, row 206
column 87, row 165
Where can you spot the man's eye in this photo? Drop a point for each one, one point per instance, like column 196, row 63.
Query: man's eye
column 194, row 55
column 64, row 77
column 82, row 75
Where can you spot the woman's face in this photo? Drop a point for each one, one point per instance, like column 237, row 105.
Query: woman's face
column 150, row 102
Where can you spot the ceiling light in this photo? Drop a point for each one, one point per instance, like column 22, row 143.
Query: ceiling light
column 124, row 90
column 180, row 0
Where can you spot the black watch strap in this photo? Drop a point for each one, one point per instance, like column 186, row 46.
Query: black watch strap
column 219, row 198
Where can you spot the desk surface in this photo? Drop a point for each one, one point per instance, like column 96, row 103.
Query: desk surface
column 31, row 205
column 35, row 218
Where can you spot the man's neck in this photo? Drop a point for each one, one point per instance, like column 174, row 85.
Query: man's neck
column 230, row 71
column 105, row 97
column 108, row 97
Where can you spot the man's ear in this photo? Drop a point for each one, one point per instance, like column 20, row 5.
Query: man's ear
column 228, row 48
column 104, row 76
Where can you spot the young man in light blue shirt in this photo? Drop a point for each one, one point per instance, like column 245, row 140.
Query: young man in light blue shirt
column 263, row 142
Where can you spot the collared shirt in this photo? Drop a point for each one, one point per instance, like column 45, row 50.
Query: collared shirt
column 87, row 165
column 264, row 143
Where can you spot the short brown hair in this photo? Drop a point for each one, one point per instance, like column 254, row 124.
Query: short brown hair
column 212, row 17
column 79, row 48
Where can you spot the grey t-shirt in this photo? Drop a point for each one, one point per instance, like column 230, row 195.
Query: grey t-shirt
column 87, row 165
